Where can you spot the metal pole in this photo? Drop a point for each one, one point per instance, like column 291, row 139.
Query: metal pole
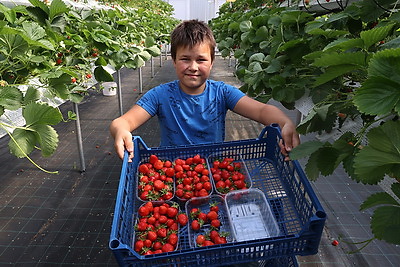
column 79, row 137
column 140, row 80
column 119, row 91
column 152, row 66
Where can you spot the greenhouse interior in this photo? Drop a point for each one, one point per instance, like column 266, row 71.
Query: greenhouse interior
column 70, row 68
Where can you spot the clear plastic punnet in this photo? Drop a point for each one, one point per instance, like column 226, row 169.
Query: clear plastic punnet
column 250, row 214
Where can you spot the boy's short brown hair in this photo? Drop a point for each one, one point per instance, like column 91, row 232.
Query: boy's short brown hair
column 190, row 33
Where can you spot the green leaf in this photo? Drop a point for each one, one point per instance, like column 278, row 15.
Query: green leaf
column 385, row 224
column 14, row 44
column 312, row 169
column 57, row 7
column 395, row 43
column 262, row 33
column 380, row 93
column 47, row 138
column 290, row 44
column 257, row 57
column 38, row 113
column 378, row 96
column 333, row 72
column 381, row 156
column 41, row 5
column 322, row 110
column 386, row 63
column 10, row 97
column 9, row 14
column 149, row 41
column 375, row 35
column 31, row 95
column 334, row 59
column 327, row 161
column 102, row 75
column 245, row 26
column 145, row 55
column 328, row 33
column 33, row 30
column 305, row 149
column 154, row 51
column 381, row 198
column 100, row 61
column 344, row 44
column 274, row 66
column 24, row 143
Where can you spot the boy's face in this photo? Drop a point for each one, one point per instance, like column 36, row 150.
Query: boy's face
column 193, row 66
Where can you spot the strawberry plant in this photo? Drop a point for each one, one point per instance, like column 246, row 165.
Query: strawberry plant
column 346, row 65
column 51, row 51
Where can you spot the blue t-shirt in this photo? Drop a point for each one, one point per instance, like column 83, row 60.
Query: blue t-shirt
column 191, row 119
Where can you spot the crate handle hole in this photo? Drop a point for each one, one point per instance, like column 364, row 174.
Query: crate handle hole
column 320, row 214
column 114, row 244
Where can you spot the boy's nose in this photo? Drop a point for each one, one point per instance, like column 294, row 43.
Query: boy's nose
column 193, row 65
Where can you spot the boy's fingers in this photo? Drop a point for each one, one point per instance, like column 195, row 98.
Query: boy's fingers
column 129, row 147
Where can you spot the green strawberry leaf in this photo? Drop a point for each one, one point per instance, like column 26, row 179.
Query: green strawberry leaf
column 245, row 26
column 381, row 156
column 31, row 95
column 33, row 30
column 10, row 97
column 37, row 113
column 311, row 168
column 47, row 138
column 102, row 75
column 153, row 50
column 381, row 198
column 378, row 96
column 335, row 59
column 22, row 142
column 333, row 72
column 305, row 149
column 327, row 161
column 375, row 35
column 380, row 93
column 344, row 44
column 57, row 7
column 385, row 224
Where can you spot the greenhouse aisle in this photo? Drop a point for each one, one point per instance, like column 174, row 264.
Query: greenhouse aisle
column 65, row 218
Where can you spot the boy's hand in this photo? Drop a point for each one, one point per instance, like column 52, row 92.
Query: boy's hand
column 290, row 138
column 123, row 141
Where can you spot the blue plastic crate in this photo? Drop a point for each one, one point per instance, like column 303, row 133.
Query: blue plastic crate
column 298, row 212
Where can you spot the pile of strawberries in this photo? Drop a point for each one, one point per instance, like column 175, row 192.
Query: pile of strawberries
column 192, row 178
column 228, row 175
column 157, row 227
column 210, row 220
column 156, row 180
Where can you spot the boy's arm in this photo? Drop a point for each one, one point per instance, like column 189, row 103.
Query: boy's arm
column 268, row 114
column 122, row 127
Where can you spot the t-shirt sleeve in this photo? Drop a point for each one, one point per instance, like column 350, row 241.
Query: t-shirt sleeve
column 149, row 102
column 233, row 95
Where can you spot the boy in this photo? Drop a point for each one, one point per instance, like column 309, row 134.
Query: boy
column 192, row 110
